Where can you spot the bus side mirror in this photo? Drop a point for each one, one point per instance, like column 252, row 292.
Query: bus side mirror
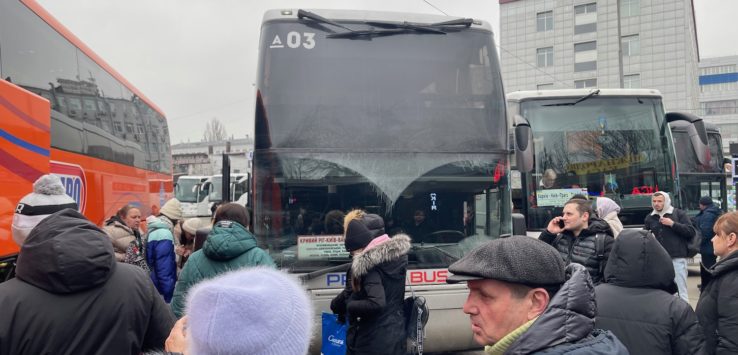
column 518, row 221
column 697, row 134
column 523, row 144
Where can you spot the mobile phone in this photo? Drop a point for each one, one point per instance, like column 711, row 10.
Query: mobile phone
column 561, row 223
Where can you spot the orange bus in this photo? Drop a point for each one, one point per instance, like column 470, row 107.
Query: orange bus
column 63, row 110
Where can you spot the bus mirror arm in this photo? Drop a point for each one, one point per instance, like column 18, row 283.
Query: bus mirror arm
column 523, row 144
column 697, row 134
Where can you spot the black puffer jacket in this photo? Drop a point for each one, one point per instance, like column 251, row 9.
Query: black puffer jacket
column 70, row 296
column 567, row 326
column 582, row 249
column 375, row 314
column 717, row 308
column 637, row 304
column 675, row 238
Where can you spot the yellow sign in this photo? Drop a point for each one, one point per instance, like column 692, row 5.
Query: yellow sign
column 599, row 166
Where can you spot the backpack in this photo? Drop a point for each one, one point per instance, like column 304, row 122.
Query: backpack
column 416, row 317
column 693, row 247
column 599, row 249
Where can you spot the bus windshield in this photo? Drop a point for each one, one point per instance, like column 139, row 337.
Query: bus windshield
column 216, row 189
column 697, row 180
column 604, row 146
column 404, row 92
column 187, row 190
column 411, row 127
column 447, row 203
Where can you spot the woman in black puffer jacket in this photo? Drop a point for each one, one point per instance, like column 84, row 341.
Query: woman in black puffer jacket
column 373, row 301
column 717, row 309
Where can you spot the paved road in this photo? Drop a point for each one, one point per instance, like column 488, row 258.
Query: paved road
column 694, row 295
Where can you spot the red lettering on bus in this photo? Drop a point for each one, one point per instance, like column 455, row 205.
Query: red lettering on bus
column 428, row 276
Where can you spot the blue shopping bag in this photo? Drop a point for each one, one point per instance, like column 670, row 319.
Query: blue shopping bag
column 334, row 335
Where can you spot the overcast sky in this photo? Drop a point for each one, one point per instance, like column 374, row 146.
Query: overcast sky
column 196, row 59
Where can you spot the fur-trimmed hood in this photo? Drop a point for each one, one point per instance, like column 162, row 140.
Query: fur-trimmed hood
column 391, row 250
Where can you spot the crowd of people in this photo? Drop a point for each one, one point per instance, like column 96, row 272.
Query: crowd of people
column 586, row 286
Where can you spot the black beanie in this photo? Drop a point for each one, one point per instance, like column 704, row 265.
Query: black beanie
column 705, row 200
column 357, row 235
column 374, row 223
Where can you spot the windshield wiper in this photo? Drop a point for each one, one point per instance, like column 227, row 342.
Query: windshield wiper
column 366, row 33
column 585, row 97
column 315, row 17
column 311, row 275
column 392, row 28
column 406, row 26
column 459, row 22
column 437, row 247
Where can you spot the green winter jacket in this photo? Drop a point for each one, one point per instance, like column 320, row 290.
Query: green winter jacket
column 229, row 246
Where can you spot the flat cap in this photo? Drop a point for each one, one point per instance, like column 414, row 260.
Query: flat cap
column 517, row 259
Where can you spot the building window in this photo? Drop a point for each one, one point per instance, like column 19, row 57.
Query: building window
column 585, row 56
column 722, row 107
column 586, row 8
column 545, row 56
column 585, row 84
column 544, row 21
column 631, row 46
column 118, row 126
column 548, row 86
column 630, row 8
column 129, row 127
column 719, row 87
column 719, row 69
column 585, row 28
column 632, row 81
column 585, row 18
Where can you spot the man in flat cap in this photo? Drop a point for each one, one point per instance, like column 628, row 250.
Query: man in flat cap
column 523, row 299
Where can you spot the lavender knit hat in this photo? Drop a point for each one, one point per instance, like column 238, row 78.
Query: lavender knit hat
column 258, row 311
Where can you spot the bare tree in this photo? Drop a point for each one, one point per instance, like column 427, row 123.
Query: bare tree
column 214, row 131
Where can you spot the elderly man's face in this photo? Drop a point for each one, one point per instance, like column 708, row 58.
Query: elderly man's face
column 493, row 310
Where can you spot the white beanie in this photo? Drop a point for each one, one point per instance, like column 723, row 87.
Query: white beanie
column 172, row 209
column 256, row 311
column 191, row 225
column 48, row 197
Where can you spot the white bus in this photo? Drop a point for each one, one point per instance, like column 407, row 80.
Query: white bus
column 605, row 142
column 190, row 191
column 213, row 185
column 389, row 112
